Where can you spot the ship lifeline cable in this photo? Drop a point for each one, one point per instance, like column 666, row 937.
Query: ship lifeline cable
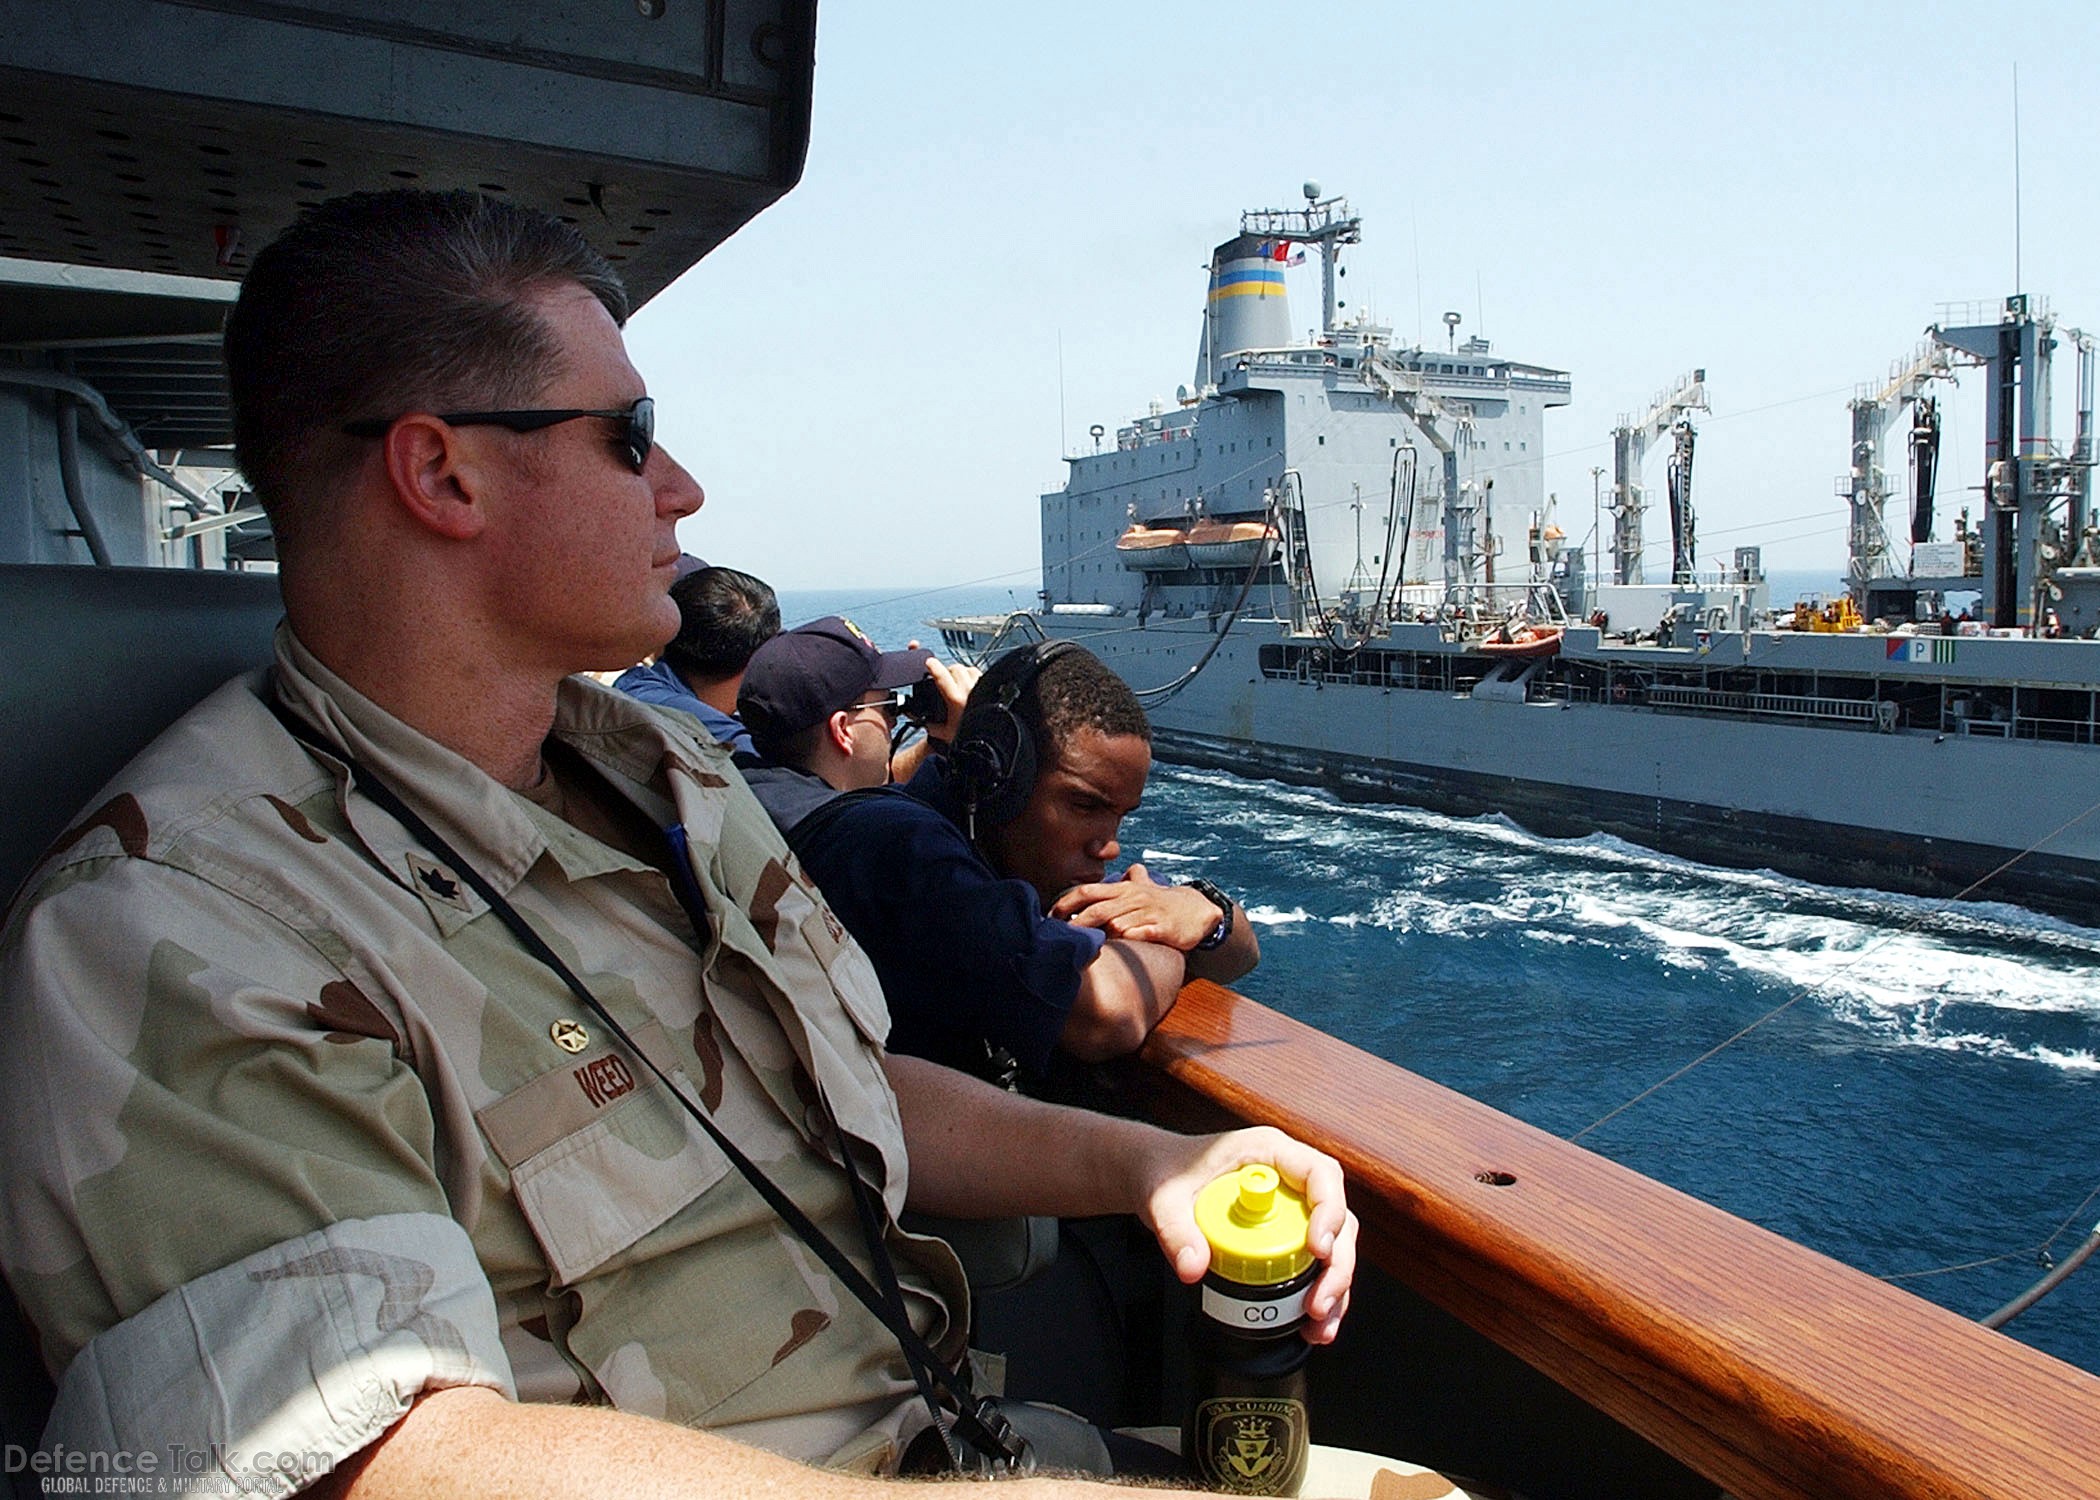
column 2039, row 1252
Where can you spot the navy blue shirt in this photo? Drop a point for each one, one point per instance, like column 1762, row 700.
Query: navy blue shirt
column 964, row 957
column 659, row 683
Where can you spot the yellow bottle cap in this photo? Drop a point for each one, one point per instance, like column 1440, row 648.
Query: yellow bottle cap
column 1256, row 1225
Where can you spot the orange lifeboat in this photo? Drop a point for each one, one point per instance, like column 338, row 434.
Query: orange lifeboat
column 1230, row 544
column 1152, row 548
column 1521, row 640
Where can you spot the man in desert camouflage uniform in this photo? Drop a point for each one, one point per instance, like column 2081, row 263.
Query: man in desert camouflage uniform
column 310, row 1157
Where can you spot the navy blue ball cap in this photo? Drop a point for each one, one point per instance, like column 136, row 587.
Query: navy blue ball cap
column 803, row 675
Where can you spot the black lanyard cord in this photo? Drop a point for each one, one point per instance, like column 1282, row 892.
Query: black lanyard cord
column 977, row 1420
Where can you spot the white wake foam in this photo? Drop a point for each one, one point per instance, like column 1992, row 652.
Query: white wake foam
column 1269, row 916
column 1982, row 978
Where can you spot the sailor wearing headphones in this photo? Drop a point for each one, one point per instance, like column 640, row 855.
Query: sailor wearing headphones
column 980, row 891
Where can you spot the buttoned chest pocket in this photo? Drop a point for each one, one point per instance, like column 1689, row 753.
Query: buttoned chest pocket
column 599, row 1155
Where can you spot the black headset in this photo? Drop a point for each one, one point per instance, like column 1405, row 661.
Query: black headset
column 994, row 757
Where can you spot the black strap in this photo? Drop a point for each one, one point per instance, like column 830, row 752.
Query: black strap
column 977, row 1420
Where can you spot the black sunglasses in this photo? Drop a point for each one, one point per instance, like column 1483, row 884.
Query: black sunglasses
column 637, row 435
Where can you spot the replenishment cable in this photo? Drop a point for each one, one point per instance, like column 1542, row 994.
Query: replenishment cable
column 2048, row 1283
column 1153, row 697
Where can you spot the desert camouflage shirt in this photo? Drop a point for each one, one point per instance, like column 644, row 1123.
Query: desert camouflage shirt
column 299, row 1130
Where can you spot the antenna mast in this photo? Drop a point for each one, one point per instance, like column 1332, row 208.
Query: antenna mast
column 1325, row 223
column 2017, row 286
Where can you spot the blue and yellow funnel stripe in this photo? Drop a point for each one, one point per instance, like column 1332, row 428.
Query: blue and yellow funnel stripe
column 1247, row 279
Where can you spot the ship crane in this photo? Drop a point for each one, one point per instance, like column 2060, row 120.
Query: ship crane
column 2037, row 497
column 2065, row 537
column 1683, row 542
column 1441, row 422
column 1629, row 442
column 1867, row 484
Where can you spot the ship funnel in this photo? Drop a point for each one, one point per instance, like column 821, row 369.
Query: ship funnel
column 1247, row 307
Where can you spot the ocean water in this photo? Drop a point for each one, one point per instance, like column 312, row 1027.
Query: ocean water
column 1927, row 1095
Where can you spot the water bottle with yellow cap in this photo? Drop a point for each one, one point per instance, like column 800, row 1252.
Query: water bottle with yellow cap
column 1246, row 1430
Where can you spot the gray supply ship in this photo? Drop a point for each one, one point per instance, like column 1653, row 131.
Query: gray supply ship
column 1334, row 561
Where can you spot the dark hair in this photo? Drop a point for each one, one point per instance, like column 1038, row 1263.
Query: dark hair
column 1074, row 690
column 723, row 616
column 797, row 749
column 379, row 303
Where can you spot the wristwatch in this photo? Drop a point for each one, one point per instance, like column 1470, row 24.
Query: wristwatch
column 1223, row 903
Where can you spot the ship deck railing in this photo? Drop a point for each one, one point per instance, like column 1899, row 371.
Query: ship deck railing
column 1763, row 705
column 2032, row 727
column 1865, row 712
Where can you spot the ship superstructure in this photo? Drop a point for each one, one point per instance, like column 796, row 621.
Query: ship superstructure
column 1333, row 560
column 1320, row 437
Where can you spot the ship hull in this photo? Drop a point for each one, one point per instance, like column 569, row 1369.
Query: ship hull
column 1824, row 851
column 1918, row 811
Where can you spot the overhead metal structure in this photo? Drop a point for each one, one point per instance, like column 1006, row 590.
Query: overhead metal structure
column 1870, row 555
column 148, row 148
column 1629, row 499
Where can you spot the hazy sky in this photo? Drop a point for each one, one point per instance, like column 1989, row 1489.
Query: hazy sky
column 868, row 381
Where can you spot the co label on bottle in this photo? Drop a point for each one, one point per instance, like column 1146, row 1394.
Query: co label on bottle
column 1254, row 1314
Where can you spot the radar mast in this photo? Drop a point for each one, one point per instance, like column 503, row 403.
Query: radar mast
column 1327, row 224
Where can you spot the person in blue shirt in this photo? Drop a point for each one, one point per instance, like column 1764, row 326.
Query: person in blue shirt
column 980, row 890
column 723, row 616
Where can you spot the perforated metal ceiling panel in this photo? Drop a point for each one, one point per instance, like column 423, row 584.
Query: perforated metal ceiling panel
column 180, row 137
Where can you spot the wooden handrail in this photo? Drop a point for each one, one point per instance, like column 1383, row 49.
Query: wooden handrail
column 1770, row 1369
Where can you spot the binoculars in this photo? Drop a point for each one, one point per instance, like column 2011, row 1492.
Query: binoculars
column 926, row 705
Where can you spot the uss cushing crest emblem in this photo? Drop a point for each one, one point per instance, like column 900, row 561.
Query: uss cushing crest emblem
column 1250, row 1446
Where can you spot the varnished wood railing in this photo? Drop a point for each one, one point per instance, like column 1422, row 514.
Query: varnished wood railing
column 1770, row 1369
